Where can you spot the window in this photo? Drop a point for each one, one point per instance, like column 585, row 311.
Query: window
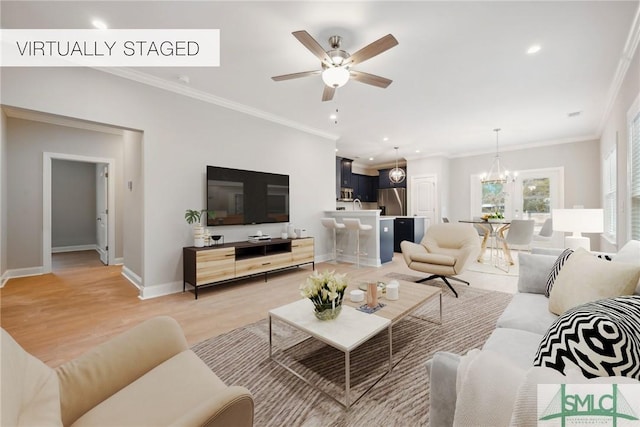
column 536, row 198
column 493, row 196
column 609, row 180
column 634, row 145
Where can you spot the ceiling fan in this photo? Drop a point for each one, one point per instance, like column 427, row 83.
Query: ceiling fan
column 336, row 63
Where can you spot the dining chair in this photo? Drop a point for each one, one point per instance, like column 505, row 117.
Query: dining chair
column 519, row 232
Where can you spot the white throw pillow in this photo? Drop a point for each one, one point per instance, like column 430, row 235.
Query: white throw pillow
column 585, row 278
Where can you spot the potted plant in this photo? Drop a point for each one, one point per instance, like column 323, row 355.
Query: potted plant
column 193, row 217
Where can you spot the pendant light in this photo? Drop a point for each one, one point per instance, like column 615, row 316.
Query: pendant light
column 397, row 175
column 498, row 174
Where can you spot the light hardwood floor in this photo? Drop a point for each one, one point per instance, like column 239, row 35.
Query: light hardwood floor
column 59, row 316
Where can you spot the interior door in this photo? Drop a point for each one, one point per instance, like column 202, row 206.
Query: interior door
column 423, row 196
column 102, row 226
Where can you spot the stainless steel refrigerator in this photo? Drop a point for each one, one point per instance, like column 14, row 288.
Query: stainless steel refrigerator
column 392, row 201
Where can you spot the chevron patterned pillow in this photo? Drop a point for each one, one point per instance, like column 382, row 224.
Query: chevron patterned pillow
column 601, row 338
column 557, row 266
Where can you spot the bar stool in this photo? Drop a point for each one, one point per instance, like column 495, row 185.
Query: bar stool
column 354, row 224
column 334, row 225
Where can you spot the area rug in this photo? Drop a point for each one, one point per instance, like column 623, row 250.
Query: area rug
column 241, row 357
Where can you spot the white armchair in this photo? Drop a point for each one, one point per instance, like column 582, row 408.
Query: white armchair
column 443, row 252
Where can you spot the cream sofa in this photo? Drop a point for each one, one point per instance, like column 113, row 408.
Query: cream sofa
column 146, row 376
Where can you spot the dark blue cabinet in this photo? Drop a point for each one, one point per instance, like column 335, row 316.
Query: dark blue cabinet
column 365, row 187
column 345, row 173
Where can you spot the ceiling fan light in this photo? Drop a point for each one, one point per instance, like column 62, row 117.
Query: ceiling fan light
column 335, row 76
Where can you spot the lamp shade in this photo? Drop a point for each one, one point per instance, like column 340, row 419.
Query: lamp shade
column 335, row 76
column 578, row 220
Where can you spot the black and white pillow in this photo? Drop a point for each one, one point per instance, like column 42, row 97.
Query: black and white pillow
column 600, row 337
column 557, row 266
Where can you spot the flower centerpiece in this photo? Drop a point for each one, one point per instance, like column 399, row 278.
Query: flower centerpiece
column 326, row 291
column 493, row 216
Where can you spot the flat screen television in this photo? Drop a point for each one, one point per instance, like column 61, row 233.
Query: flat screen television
column 239, row 197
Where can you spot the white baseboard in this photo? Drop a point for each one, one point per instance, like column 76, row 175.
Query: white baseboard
column 60, row 249
column 132, row 277
column 21, row 272
column 118, row 261
column 148, row 292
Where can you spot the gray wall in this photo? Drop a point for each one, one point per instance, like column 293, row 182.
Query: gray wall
column 27, row 141
column 3, row 194
column 133, row 224
column 181, row 136
column 616, row 124
column 579, row 159
column 73, row 204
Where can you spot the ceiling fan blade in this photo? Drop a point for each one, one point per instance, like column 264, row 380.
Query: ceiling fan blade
column 327, row 94
column 295, row 75
column 370, row 79
column 376, row 48
column 313, row 46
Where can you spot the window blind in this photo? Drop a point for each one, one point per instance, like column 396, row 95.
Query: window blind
column 609, row 186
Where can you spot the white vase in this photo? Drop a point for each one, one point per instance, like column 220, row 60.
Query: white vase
column 198, row 235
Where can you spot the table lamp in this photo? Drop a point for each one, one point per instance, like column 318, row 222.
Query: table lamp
column 578, row 221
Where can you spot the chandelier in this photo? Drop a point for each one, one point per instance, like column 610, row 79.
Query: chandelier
column 498, row 174
column 397, row 175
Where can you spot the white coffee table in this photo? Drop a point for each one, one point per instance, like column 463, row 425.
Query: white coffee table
column 347, row 332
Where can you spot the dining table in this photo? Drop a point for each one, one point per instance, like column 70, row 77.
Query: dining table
column 493, row 229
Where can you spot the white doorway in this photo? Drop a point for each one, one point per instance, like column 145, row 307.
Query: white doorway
column 104, row 185
column 424, row 198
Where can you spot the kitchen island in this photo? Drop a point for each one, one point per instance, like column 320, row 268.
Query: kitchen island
column 370, row 241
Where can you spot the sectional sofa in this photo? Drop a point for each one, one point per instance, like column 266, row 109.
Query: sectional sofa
column 493, row 382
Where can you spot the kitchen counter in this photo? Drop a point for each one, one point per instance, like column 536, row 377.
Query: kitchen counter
column 370, row 241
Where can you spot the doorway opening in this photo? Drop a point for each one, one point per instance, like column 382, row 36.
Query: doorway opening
column 77, row 226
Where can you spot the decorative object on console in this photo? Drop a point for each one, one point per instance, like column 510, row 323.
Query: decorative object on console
column 193, row 217
column 601, row 338
column 578, row 221
column 326, row 291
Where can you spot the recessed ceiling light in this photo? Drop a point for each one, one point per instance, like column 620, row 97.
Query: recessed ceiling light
column 99, row 24
column 533, row 49
column 417, row 151
column 336, row 150
column 333, row 116
column 370, row 158
column 385, row 138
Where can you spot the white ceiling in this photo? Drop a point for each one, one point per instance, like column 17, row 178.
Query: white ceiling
column 459, row 71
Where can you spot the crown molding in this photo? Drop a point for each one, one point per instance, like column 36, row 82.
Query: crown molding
column 626, row 56
column 190, row 92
